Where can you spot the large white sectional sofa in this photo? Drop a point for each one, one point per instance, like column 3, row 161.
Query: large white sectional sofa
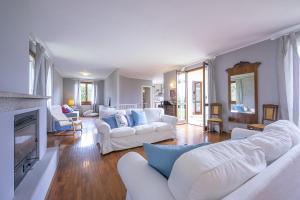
column 159, row 127
column 252, row 166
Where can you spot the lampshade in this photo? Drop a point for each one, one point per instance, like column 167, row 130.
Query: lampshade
column 71, row 102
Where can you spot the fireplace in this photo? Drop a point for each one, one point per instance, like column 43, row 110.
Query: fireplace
column 25, row 144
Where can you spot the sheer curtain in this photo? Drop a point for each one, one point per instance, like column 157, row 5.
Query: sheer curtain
column 95, row 96
column 49, row 81
column 211, row 81
column 39, row 86
column 77, row 96
column 288, row 77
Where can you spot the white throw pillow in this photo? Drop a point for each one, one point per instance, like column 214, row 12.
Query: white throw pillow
column 274, row 143
column 121, row 120
column 285, row 126
column 109, row 112
column 153, row 114
column 214, row 171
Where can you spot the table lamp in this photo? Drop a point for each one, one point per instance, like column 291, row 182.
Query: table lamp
column 71, row 102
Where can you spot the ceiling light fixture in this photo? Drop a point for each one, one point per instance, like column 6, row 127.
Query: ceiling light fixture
column 85, row 73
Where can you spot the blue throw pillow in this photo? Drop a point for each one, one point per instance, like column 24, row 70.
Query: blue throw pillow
column 139, row 118
column 111, row 120
column 130, row 120
column 163, row 157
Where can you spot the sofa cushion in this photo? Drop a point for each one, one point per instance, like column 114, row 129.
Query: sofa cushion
column 110, row 111
column 274, row 143
column 213, row 171
column 162, row 157
column 144, row 129
column 122, row 132
column 129, row 120
column 121, row 120
column 161, row 126
column 139, row 118
column 153, row 114
column 111, row 121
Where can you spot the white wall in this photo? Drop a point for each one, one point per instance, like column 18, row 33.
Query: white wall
column 130, row 90
column 264, row 52
column 57, row 93
column 68, row 89
column 101, row 92
column 111, row 88
column 14, row 40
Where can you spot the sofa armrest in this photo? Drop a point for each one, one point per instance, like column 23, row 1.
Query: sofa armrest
column 241, row 133
column 103, row 128
column 141, row 180
column 170, row 120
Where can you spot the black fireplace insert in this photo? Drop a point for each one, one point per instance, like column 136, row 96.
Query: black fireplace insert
column 26, row 144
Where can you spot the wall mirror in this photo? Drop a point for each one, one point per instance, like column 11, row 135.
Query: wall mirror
column 242, row 92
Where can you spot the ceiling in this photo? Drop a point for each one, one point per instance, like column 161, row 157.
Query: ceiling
column 144, row 38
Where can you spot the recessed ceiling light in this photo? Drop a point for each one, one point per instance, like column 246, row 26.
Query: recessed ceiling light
column 85, row 73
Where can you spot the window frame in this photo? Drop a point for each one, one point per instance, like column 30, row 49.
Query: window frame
column 86, row 102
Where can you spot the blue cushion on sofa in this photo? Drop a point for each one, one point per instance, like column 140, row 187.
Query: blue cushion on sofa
column 130, row 120
column 111, row 120
column 139, row 117
column 163, row 157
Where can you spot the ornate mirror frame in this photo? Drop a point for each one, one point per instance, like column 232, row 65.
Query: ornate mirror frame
column 237, row 69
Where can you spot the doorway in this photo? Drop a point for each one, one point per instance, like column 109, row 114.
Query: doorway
column 146, row 96
column 195, row 97
column 192, row 96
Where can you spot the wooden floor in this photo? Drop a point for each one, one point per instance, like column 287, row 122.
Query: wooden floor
column 83, row 173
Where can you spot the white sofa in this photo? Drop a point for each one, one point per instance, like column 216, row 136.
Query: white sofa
column 159, row 127
column 279, row 180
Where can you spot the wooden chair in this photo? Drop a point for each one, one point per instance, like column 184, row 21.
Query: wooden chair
column 270, row 114
column 215, row 116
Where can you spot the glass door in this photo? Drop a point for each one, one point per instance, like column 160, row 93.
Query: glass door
column 181, row 97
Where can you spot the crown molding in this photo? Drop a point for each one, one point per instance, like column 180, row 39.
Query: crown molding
column 272, row 36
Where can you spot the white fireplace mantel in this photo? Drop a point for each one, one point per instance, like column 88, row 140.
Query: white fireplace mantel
column 37, row 181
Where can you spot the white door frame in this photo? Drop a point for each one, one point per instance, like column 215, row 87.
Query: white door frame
column 151, row 94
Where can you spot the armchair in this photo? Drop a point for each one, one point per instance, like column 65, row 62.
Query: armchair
column 62, row 123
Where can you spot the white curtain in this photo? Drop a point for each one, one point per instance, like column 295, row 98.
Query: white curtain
column 288, row 78
column 95, row 96
column 39, row 86
column 77, row 96
column 211, row 81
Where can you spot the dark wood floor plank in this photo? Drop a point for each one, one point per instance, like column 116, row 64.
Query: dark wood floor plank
column 84, row 174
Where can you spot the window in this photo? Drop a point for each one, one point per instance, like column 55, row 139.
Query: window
column 86, row 93
column 31, row 71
